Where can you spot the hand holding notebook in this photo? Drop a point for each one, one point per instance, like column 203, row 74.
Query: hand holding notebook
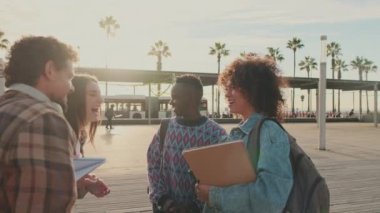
column 84, row 166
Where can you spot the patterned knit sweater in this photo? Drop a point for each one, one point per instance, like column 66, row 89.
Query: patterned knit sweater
column 174, row 180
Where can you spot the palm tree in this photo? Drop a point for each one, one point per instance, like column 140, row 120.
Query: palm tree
column 3, row 41
column 308, row 64
column 219, row 50
column 294, row 44
column 340, row 66
column 110, row 25
column 368, row 67
column 358, row 63
column 159, row 49
column 244, row 54
column 275, row 54
column 3, row 45
column 333, row 50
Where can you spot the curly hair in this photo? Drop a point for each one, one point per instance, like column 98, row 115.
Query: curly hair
column 259, row 80
column 28, row 56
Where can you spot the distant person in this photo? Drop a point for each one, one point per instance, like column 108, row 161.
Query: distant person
column 171, row 186
column 252, row 89
column 110, row 114
column 83, row 114
column 351, row 113
column 36, row 141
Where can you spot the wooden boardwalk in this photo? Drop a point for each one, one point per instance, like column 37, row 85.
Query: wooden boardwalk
column 351, row 166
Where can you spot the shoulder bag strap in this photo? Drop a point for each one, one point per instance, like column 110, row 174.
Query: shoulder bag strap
column 163, row 129
column 254, row 140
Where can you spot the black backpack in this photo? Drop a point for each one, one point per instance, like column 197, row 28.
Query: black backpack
column 310, row 193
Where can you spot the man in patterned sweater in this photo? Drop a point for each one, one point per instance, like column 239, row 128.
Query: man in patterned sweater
column 171, row 186
column 36, row 142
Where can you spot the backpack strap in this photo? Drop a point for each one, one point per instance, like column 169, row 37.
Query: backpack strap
column 254, row 138
column 163, row 129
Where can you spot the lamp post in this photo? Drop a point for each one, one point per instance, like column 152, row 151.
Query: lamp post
column 322, row 95
column 376, row 88
column 2, row 79
column 78, row 49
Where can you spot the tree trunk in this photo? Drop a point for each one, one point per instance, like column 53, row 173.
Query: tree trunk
column 217, row 91
column 159, row 68
column 212, row 101
column 360, row 93
column 339, row 101
column 107, row 49
column 308, row 100
column 316, row 105
column 308, row 93
column 366, row 95
column 294, row 75
column 333, row 77
column 106, row 88
column 366, row 92
column 360, row 103
column 339, row 77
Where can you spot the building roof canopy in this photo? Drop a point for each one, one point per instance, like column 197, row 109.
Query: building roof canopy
column 208, row 79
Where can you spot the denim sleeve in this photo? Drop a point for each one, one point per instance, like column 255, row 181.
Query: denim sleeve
column 223, row 138
column 273, row 184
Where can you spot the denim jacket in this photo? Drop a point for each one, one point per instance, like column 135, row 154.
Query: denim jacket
column 274, row 180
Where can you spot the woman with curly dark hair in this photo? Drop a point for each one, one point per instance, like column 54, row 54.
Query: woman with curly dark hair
column 252, row 90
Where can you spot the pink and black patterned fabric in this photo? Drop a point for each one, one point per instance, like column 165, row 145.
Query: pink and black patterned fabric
column 175, row 180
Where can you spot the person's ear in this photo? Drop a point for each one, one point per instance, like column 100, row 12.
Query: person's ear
column 190, row 96
column 50, row 70
column 194, row 98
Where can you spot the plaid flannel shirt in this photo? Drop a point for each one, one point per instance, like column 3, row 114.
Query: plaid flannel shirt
column 36, row 149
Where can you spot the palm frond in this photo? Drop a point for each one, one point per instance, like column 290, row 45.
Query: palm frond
column 159, row 49
column 3, row 41
column 334, row 49
column 110, row 25
column 294, row 44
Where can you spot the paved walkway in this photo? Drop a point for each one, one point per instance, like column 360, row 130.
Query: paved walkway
column 351, row 165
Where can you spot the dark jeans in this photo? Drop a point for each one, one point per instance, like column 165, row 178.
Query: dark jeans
column 191, row 209
column 109, row 123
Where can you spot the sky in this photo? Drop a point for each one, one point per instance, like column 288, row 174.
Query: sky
column 190, row 28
